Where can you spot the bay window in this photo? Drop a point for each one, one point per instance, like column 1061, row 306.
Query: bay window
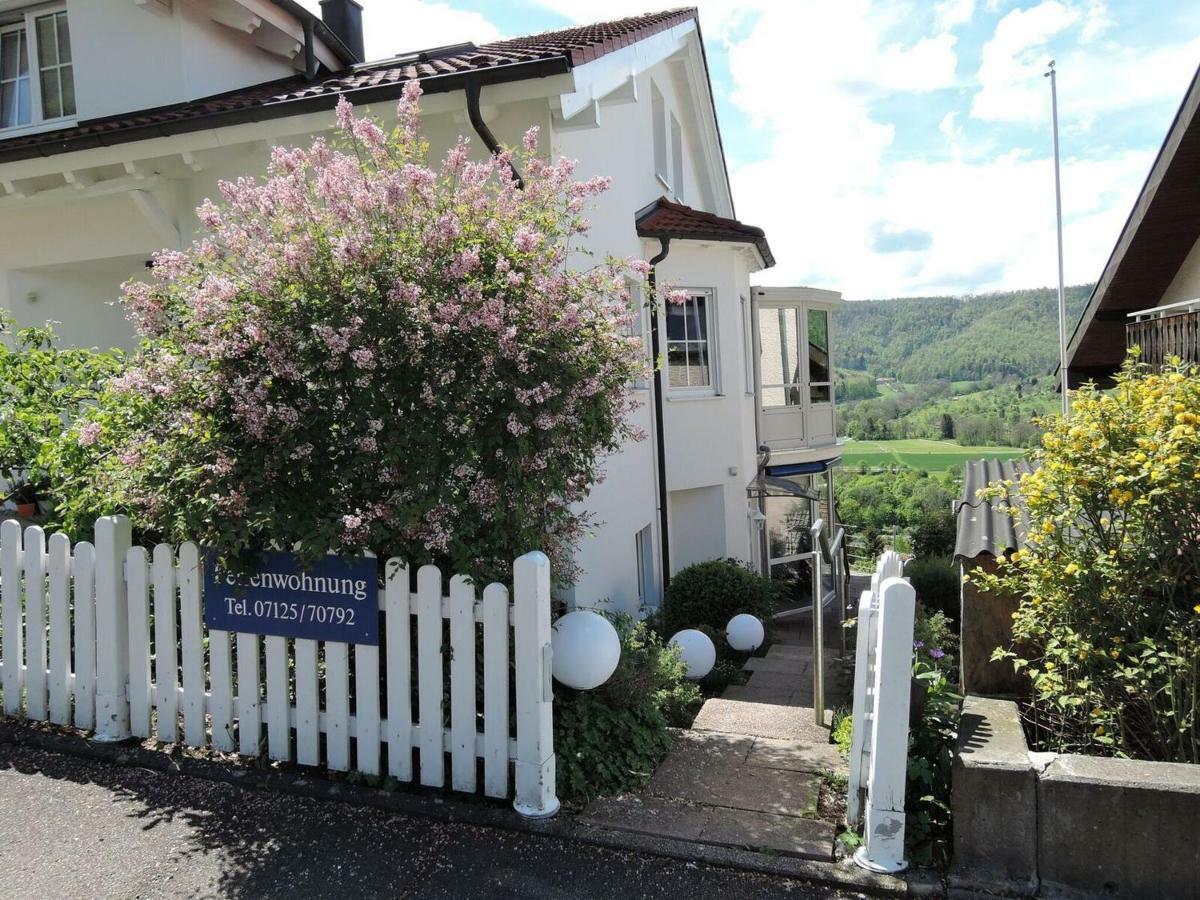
column 37, row 77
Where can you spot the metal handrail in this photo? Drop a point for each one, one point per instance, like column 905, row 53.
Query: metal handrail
column 832, row 553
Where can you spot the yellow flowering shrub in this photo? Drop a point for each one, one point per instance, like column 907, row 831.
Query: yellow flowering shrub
column 1108, row 629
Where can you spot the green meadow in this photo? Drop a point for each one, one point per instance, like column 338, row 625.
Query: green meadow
column 932, row 456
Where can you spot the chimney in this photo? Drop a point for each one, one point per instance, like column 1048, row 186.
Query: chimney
column 344, row 18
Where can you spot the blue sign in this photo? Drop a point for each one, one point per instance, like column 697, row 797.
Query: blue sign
column 330, row 600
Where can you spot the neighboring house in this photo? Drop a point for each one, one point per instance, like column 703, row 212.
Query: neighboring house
column 988, row 529
column 139, row 107
column 1149, row 292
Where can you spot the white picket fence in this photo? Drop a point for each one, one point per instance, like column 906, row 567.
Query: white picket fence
column 77, row 649
column 882, row 691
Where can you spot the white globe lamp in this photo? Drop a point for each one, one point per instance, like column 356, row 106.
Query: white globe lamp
column 697, row 651
column 744, row 633
column 586, row 650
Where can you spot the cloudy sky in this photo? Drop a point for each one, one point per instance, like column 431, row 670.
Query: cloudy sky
column 902, row 147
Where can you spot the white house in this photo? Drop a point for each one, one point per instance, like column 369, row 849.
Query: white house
column 118, row 117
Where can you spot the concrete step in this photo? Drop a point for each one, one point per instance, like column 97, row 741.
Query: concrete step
column 790, row 723
column 723, row 827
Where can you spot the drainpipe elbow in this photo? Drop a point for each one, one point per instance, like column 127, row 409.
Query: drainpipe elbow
column 473, row 88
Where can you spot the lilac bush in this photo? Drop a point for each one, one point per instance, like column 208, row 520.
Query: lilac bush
column 368, row 352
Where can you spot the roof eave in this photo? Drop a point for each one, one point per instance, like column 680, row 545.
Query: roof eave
column 432, row 84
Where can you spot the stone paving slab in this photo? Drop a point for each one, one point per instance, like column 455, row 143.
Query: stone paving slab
column 784, row 664
column 778, row 681
column 761, row 720
column 789, row 651
column 698, row 749
column 795, row 757
column 785, row 834
column 775, row 696
column 650, row 815
column 738, row 787
column 659, row 817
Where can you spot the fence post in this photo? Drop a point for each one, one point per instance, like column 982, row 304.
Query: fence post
column 12, row 560
column 883, row 835
column 860, row 742
column 114, row 537
column 534, row 765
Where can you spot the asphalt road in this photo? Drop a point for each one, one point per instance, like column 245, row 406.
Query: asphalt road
column 78, row 828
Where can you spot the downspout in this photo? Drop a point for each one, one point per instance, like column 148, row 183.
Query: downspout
column 663, row 525
column 310, row 50
column 472, row 89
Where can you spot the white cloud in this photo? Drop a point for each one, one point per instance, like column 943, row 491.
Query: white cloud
column 953, row 13
column 843, row 209
column 398, row 26
column 1096, row 77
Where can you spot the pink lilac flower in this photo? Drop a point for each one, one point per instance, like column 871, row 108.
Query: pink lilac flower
column 89, row 433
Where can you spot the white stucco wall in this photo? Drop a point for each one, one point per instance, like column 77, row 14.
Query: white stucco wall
column 192, row 57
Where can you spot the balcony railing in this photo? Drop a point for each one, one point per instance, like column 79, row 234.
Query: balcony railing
column 1166, row 332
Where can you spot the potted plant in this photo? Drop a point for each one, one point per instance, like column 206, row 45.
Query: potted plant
column 25, row 496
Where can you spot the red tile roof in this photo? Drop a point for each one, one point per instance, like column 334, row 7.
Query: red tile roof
column 663, row 218
column 443, row 70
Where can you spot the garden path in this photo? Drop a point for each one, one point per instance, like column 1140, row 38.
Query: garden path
column 752, row 770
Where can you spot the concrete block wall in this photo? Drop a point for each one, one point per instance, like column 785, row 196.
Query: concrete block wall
column 1065, row 825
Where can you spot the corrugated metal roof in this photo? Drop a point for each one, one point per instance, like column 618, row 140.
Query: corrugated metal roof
column 989, row 526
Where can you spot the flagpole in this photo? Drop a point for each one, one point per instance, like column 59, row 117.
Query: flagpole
column 1062, row 300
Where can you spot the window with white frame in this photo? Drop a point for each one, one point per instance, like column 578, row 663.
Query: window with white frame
column 794, row 361
column 691, row 357
column 819, row 386
column 37, row 77
column 677, row 158
column 658, row 110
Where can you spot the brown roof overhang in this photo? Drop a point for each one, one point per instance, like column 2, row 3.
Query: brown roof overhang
column 666, row 219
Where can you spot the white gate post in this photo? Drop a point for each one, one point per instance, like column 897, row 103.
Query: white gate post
column 534, row 765
column 883, row 834
column 114, row 536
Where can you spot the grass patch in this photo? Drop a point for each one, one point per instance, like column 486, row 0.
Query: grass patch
column 919, row 453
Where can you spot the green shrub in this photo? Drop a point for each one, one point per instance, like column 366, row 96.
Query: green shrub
column 927, row 831
column 937, row 583
column 933, row 533
column 602, row 749
column 724, row 673
column 609, row 740
column 935, row 638
column 1108, row 630
column 843, row 731
column 43, row 389
column 711, row 593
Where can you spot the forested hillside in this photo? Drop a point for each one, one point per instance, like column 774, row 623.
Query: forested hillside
column 1013, row 334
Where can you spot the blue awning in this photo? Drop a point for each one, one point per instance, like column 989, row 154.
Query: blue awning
column 808, row 468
